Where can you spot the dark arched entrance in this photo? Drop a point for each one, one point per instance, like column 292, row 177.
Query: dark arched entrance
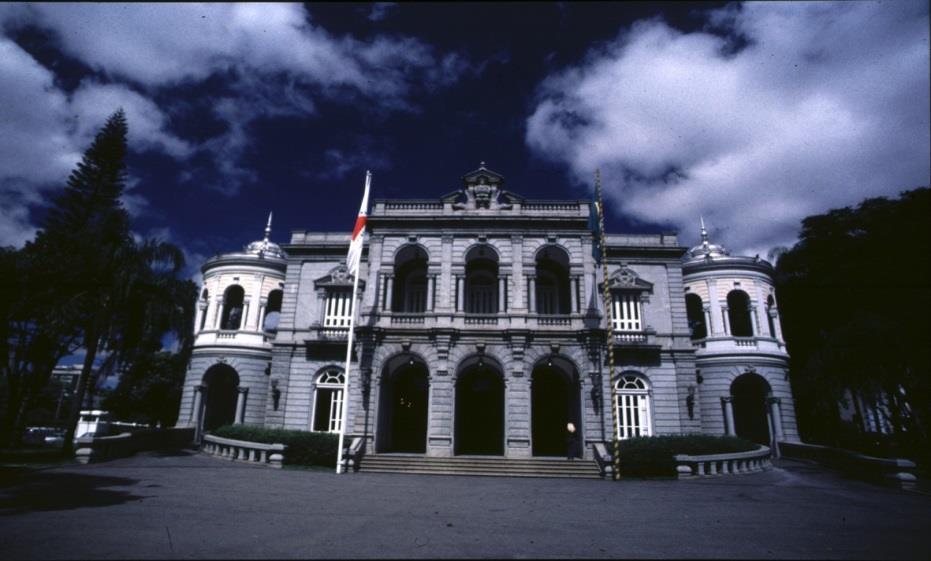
column 403, row 405
column 750, row 419
column 222, row 390
column 554, row 403
column 479, row 409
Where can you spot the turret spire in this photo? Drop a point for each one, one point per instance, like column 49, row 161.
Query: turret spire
column 704, row 232
column 268, row 227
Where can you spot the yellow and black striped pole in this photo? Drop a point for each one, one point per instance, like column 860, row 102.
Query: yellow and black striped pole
column 610, row 331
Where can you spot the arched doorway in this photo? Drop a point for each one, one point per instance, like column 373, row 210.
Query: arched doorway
column 222, row 383
column 750, row 418
column 554, row 402
column 403, row 405
column 479, row 408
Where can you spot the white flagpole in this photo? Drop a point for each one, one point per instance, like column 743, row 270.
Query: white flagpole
column 344, row 417
column 345, row 405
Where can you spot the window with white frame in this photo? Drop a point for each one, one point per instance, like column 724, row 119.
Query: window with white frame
column 338, row 309
column 633, row 406
column 625, row 311
column 328, row 401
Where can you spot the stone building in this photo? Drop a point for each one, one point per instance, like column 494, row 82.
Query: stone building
column 481, row 332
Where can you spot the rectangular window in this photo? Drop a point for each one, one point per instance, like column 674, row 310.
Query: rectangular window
column 625, row 312
column 329, row 410
column 338, row 311
column 633, row 415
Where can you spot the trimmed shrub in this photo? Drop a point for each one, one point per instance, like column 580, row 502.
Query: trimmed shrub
column 304, row 448
column 654, row 456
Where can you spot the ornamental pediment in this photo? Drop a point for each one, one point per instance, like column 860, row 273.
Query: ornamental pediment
column 626, row 279
column 338, row 277
column 482, row 190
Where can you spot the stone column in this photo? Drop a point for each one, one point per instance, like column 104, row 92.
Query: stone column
column 460, row 293
column 517, row 274
column 198, row 402
column 706, row 309
column 502, row 284
column 431, row 287
column 532, row 292
column 446, row 300
column 574, row 289
column 241, row 404
column 716, row 325
column 253, row 320
column 755, row 312
column 262, row 306
column 775, row 315
column 198, row 315
column 729, row 428
column 389, row 291
column 776, row 415
column 725, row 321
column 219, row 317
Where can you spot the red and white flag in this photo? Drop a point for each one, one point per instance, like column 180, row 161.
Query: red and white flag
column 355, row 244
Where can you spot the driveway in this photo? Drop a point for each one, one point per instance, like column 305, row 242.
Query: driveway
column 186, row 505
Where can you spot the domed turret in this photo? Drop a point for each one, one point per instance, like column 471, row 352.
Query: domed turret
column 707, row 250
column 265, row 247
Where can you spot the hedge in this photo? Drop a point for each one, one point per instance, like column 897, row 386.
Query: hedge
column 654, row 456
column 304, row 448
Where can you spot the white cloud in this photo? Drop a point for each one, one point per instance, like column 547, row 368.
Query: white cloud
column 826, row 105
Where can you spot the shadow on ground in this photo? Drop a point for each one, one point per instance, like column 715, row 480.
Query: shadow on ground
column 25, row 490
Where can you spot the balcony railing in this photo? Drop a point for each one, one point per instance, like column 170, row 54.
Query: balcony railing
column 554, row 320
column 479, row 319
column 407, row 319
column 630, row 337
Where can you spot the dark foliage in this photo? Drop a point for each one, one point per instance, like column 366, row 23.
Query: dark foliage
column 855, row 299
column 149, row 390
column 654, row 456
column 304, row 448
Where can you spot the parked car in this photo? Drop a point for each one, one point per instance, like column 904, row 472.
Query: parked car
column 38, row 436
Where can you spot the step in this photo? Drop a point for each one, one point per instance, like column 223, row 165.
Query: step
column 479, row 465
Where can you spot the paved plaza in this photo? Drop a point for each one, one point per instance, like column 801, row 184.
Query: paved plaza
column 185, row 505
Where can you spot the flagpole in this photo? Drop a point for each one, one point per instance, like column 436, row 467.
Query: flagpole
column 610, row 330
column 344, row 417
column 354, row 267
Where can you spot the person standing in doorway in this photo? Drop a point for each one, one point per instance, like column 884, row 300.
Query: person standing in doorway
column 571, row 440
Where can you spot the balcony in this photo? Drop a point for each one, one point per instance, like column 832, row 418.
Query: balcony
column 728, row 344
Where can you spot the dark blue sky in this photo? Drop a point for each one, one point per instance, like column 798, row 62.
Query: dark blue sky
column 751, row 115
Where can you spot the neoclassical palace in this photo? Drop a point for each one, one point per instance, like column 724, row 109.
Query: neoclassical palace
column 481, row 331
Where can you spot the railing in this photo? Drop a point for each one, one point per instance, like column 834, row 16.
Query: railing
column 745, row 341
column 413, row 205
column 407, row 318
column 630, row 337
column 561, row 206
column 723, row 464
column 240, row 450
column 481, row 320
column 898, row 472
column 334, row 332
column 554, row 320
column 90, row 449
column 226, row 334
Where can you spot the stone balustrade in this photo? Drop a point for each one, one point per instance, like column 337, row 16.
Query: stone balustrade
column 243, row 451
column 723, row 464
column 897, row 472
column 92, row 449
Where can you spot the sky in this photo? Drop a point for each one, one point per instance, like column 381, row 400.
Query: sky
column 751, row 115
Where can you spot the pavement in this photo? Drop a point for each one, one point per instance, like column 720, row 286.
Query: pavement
column 186, row 505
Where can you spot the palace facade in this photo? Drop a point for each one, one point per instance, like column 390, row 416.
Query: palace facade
column 481, row 331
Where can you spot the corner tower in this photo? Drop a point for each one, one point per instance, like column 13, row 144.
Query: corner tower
column 237, row 318
column 743, row 367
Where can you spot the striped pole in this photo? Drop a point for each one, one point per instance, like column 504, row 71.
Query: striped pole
column 610, row 331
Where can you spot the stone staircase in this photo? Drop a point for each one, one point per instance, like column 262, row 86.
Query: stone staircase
column 480, row 465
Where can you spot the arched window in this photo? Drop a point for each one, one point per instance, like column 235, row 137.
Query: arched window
column 410, row 281
column 771, row 315
column 205, row 297
column 738, row 313
column 232, row 307
column 552, row 283
column 328, row 401
column 481, row 282
column 696, row 314
column 633, row 406
column 272, row 312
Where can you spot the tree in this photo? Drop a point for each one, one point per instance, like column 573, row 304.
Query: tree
column 855, row 296
column 149, row 390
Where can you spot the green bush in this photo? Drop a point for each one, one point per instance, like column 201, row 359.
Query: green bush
column 304, row 448
column 654, row 456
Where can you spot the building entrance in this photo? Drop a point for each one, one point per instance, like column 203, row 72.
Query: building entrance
column 750, row 418
column 554, row 403
column 403, row 409
column 222, row 390
column 480, row 411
